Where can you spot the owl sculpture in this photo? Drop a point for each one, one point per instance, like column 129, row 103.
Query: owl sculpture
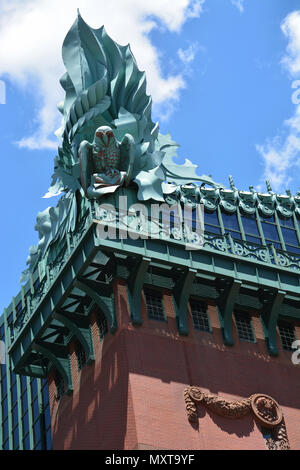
column 105, row 163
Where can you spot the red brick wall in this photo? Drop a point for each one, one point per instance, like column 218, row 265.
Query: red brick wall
column 131, row 397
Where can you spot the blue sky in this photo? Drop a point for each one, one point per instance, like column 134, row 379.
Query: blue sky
column 220, row 73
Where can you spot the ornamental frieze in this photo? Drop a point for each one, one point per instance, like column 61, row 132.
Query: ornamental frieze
column 264, row 409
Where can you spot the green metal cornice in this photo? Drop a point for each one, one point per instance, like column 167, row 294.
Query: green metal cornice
column 181, row 294
column 106, row 304
column 226, row 307
column 59, row 357
column 79, row 325
column 269, row 318
column 134, row 289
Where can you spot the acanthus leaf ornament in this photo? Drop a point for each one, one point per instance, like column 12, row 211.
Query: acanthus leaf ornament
column 264, row 409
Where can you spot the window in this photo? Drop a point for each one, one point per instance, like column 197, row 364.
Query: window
column 80, row 355
column 244, row 327
column 34, row 390
column 191, row 218
column 251, row 228
column 35, row 409
column 15, row 416
column 270, row 232
column 5, row 429
column 24, row 402
column 23, row 383
column 231, row 225
column 25, row 421
column 16, row 438
column 290, row 240
column 199, row 315
column 102, row 325
column 26, row 442
column 287, row 334
column 4, row 407
column 154, row 304
column 211, row 222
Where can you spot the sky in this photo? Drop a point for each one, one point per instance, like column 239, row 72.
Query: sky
column 224, row 76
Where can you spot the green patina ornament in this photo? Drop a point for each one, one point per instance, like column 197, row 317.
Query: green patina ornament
column 108, row 137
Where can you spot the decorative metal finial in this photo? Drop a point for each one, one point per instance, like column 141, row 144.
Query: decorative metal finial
column 269, row 187
column 231, row 182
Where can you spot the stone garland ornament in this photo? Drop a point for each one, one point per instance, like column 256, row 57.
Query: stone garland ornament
column 264, row 409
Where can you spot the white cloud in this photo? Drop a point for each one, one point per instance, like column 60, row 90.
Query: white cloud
column 188, row 55
column 239, row 4
column 291, row 29
column 31, row 36
column 281, row 154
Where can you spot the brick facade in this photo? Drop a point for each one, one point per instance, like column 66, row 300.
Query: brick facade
column 131, row 397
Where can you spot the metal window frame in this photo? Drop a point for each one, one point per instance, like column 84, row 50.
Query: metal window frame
column 195, row 299
column 248, row 316
column 159, row 291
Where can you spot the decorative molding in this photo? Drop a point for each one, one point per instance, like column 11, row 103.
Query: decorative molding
column 264, row 409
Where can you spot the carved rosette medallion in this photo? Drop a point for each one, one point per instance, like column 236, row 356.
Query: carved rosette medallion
column 266, row 410
column 263, row 407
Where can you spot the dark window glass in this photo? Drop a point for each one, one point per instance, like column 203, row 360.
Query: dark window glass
column 244, row 327
column 37, row 431
column 44, row 382
column 250, row 225
column 231, row 225
column 19, row 309
column 212, row 229
column 15, row 416
column 2, row 332
column 5, row 429
column 47, row 417
column 289, row 236
column 14, row 394
column 48, row 440
column 16, row 437
column 35, row 409
column 251, row 239
column 6, row 445
column 270, row 220
column 24, row 402
column 230, row 222
column 270, row 232
column 4, row 407
column 25, row 420
column 23, row 383
column 199, row 315
column 287, row 222
column 34, row 390
column 36, row 286
column 4, row 385
column 190, row 218
column 45, row 394
column 211, row 222
column 211, row 218
column 26, row 442
column 293, row 249
column 13, row 378
column 154, row 304
column 287, row 334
